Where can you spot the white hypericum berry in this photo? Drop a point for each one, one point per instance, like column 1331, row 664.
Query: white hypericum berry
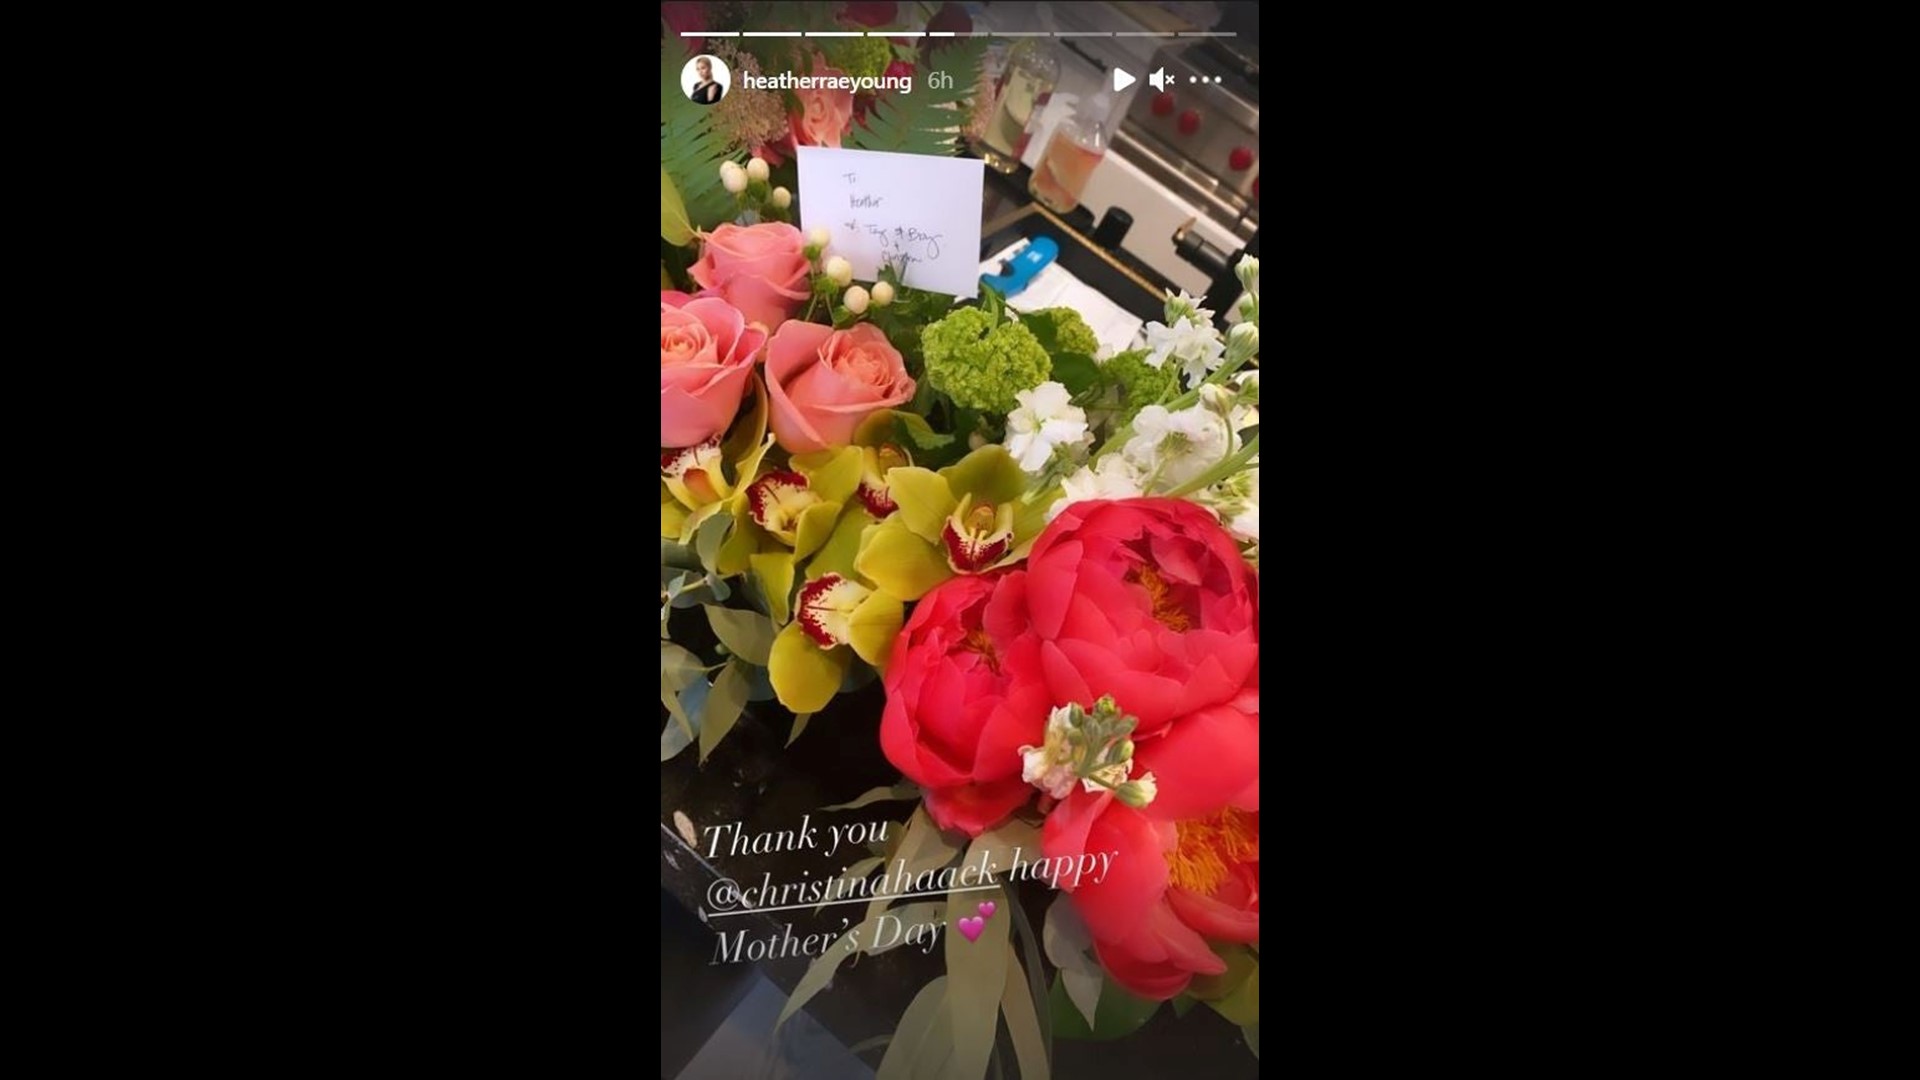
column 757, row 169
column 856, row 300
column 840, row 270
column 882, row 294
column 818, row 237
column 782, row 198
column 733, row 177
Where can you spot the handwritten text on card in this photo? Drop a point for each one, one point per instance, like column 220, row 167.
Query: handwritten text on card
column 916, row 213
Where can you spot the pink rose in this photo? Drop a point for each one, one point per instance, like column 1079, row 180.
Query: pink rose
column 822, row 382
column 706, row 361
column 825, row 116
column 758, row 269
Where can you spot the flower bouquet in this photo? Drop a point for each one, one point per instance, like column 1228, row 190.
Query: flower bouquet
column 1046, row 557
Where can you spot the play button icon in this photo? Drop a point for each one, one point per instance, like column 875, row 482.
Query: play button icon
column 1121, row 80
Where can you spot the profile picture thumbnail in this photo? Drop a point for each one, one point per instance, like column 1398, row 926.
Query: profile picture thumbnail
column 706, row 79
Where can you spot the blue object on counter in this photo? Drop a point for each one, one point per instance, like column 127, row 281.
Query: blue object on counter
column 1019, row 271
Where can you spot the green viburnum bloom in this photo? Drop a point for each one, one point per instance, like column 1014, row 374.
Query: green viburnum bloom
column 968, row 518
column 981, row 363
column 1140, row 384
column 1063, row 330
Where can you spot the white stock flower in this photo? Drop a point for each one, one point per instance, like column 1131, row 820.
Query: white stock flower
column 1186, row 307
column 1047, row 418
column 1049, row 767
column 1111, row 477
column 1246, row 416
column 1240, row 510
column 1194, row 345
column 1172, row 448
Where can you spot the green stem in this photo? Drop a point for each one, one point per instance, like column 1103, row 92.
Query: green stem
column 1034, row 972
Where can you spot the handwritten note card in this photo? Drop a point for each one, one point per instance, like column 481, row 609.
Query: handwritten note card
column 901, row 210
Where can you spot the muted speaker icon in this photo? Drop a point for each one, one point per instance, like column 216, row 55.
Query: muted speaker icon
column 1158, row 80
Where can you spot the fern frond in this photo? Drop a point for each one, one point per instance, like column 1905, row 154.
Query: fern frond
column 927, row 121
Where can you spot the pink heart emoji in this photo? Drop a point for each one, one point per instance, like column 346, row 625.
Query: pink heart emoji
column 987, row 909
column 970, row 928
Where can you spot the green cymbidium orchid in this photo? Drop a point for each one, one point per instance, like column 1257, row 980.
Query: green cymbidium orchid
column 697, row 482
column 835, row 619
column 968, row 518
column 839, row 614
column 807, row 517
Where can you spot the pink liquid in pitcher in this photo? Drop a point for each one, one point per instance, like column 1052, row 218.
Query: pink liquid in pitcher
column 1062, row 175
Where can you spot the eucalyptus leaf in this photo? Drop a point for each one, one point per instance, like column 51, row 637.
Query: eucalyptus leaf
column 1242, row 1007
column 686, row 707
column 906, row 789
column 1002, row 844
column 729, row 696
column 678, row 667
column 1083, row 989
column 923, row 847
column 1068, row 942
column 746, row 634
column 799, row 724
column 1023, row 1023
column 1120, row 1013
column 706, row 541
column 976, row 976
column 923, row 1041
column 676, row 736
column 1252, row 1034
column 679, row 556
column 859, row 939
column 1240, row 965
column 694, row 700
column 1034, row 971
column 759, row 684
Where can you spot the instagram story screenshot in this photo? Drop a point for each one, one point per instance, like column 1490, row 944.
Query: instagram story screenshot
column 959, row 540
